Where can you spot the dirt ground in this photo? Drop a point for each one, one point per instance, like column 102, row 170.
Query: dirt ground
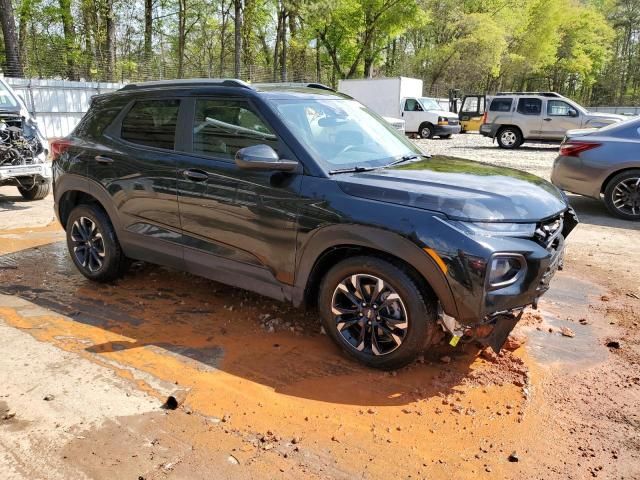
column 86, row 369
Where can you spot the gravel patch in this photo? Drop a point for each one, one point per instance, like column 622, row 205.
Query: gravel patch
column 536, row 158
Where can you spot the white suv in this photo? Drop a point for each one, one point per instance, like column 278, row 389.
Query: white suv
column 518, row 117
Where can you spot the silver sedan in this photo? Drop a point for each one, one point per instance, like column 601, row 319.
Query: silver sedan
column 605, row 164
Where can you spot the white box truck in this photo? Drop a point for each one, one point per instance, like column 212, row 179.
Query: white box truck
column 402, row 97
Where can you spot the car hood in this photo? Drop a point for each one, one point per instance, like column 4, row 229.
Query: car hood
column 603, row 115
column 444, row 113
column 461, row 189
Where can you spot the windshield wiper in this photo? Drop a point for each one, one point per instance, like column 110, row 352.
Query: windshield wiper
column 355, row 169
column 406, row 158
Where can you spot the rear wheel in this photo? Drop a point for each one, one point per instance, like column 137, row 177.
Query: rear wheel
column 375, row 312
column 509, row 138
column 622, row 195
column 93, row 244
column 37, row 191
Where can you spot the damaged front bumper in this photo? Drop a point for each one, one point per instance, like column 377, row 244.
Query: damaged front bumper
column 488, row 314
column 14, row 174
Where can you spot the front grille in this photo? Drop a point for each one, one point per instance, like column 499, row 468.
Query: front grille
column 549, row 235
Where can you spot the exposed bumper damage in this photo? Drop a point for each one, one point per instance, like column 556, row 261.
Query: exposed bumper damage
column 22, row 153
column 501, row 311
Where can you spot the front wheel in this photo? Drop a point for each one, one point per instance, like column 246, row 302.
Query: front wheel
column 509, row 138
column 622, row 195
column 375, row 312
column 37, row 191
column 426, row 130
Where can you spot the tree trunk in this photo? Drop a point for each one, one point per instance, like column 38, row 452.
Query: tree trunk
column 283, row 42
column 23, row 24
column 182, row 25
column 13, row 63
column 276, row 48
column 69, row 38
column 237, row 37
column 110, row 31
column 148, row 29
column 224, row 14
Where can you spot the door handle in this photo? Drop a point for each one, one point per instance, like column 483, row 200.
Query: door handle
column 547, row 119
column 195, row 175
column 103, row 160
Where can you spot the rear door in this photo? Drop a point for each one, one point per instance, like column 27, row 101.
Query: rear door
column 239, row 226
column 136, row 165
column 528, row 116
column 560, row 117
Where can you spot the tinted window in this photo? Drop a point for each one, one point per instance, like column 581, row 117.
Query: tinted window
column 530, row 106
column 501, row 105
column 96, row 120
column 222, row 127
column 558, row 108
column 152, row 123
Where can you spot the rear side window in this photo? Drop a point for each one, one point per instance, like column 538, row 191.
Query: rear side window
column 222, row 127
column 501, row 104
column 530, row 106
column 96, row 120
column 152, row 123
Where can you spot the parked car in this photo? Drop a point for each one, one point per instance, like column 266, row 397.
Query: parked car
column 515, row 118
column 603, row 164
column 304, row 195
column 23, row 148
column 402, row 97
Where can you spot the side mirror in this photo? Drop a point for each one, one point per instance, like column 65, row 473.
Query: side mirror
column 263, row 157
column 573, row 113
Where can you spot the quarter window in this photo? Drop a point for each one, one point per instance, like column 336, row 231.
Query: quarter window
column 222, row 127
column 501, row 105
column 152, row 123
column 530, row 106
column 558, row 108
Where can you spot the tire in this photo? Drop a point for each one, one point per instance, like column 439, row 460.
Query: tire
column 426, row 130
column 622, row 195
column 37, row 192
column 445, row 137
column 509, row 138
column 105, row 261
column 412, row 316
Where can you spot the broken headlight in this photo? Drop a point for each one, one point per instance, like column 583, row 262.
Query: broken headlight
column 497, row 229
column 505, row 269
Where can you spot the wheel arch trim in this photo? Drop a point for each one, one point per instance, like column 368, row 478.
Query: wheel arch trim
column 387, row 242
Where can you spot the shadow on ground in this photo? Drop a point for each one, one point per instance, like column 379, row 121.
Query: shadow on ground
column 208, row 326
column 593, row 212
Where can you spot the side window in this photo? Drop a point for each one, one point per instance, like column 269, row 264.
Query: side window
column 222, row 127
column 558, row 108
column 501, row 105
column 152, row 123
column 530, row 106
column 412, row 105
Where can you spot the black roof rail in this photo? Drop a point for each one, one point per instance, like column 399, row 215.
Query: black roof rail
column 295, row 84
column 542, row 94
column 189, row 82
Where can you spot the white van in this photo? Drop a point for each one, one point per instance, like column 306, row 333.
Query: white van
column 402, row 97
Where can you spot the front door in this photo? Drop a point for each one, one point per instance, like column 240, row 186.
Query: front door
column 560, row 117
column 413, row 114
column 239, row 225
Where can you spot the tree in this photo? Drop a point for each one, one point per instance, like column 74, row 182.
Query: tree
column 13, row 62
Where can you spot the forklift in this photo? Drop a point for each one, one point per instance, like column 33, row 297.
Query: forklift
column 470, row 109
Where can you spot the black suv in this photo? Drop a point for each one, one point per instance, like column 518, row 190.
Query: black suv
column 304, row 195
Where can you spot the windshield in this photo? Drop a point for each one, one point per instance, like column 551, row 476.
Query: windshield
column 7, row 100
column 430, row 104
column 341, row 133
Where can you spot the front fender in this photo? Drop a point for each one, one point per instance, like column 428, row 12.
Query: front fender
column 332, row 236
